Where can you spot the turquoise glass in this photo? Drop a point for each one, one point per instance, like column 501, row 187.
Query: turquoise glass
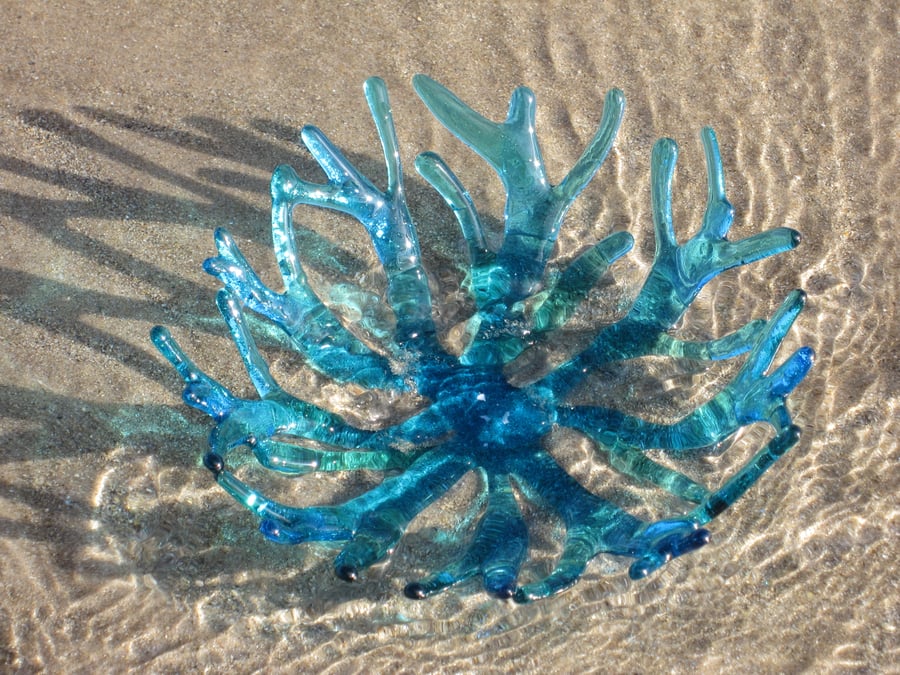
column 474, row 419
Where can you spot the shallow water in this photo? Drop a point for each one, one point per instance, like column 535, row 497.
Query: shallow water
column 128, row 137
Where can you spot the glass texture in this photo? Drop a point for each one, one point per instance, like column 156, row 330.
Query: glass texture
column 475, row 419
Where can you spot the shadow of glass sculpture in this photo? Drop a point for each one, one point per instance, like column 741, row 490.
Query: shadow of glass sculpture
column 475, row 419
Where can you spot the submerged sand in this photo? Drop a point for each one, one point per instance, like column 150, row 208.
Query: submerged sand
column 129, row 134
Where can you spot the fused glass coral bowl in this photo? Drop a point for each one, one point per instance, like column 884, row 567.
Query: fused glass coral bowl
column 473, row 418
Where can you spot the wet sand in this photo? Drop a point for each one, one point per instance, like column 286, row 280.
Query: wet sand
column 128, row 136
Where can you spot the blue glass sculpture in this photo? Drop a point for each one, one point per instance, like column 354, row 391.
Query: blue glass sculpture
column 475, row 419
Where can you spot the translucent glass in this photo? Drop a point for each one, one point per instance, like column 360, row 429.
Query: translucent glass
column 475, row 419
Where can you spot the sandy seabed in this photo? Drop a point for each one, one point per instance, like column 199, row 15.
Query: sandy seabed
column 129, row 134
